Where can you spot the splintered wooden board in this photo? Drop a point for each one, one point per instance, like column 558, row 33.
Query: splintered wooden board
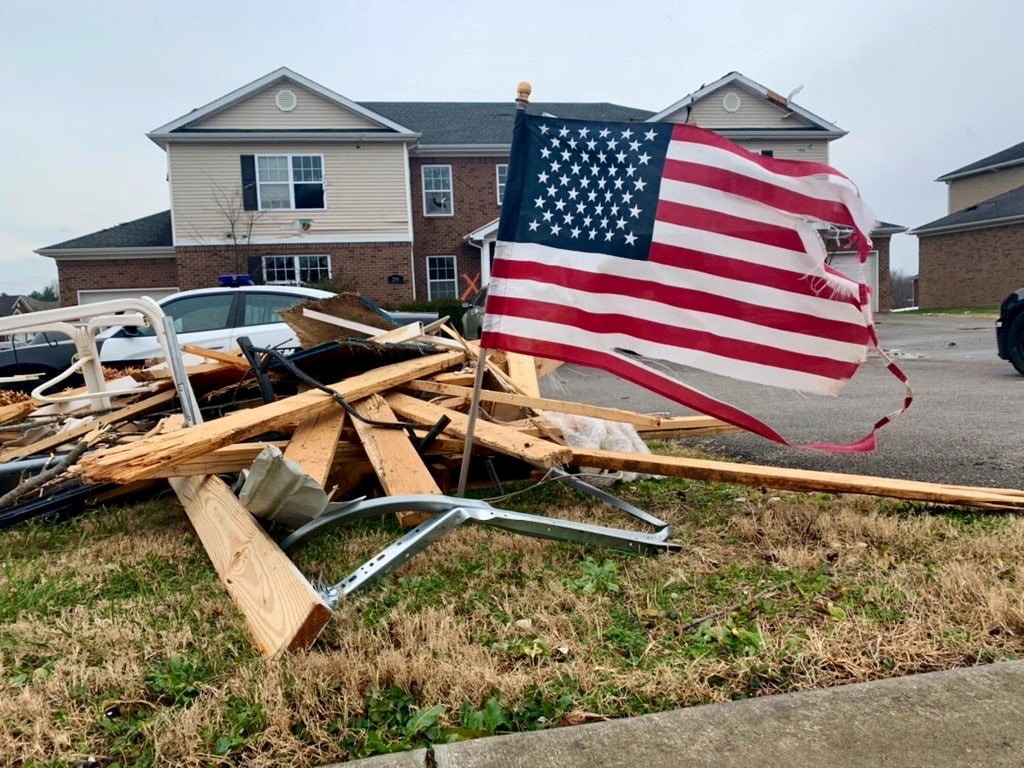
column 399, row 468
column 124, row 414
column 282, row 610
column 522, row 372
column 313, row 445
column 149, row 457
column 799, row 479
column 539, row 403
column 501, row 439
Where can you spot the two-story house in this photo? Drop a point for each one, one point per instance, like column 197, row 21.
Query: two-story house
column 291, row 182
column 972, row 256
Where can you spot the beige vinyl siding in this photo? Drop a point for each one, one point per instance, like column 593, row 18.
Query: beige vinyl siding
column 754, row 112
column 364, row 190
column 810, row 151
column 311, row 111
column 963, row 193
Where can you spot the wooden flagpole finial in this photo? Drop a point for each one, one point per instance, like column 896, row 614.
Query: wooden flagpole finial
column 523, row 91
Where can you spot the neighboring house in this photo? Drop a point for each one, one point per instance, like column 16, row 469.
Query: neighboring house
column 972, row 256
column 290, row 182
column 20, row 305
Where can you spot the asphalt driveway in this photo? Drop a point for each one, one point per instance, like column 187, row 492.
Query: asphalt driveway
column 965, row 427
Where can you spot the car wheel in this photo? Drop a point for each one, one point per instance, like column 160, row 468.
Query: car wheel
column 1015, row 343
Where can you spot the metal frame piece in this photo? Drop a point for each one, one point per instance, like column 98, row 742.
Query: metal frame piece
column 451, row 512
column 660, row 527
column 81, row 324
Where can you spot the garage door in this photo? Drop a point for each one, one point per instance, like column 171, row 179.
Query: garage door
column 849, row 264
column 91, row 297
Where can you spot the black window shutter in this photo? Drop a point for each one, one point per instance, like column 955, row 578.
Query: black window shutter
column 249, row 202
column 255, row 269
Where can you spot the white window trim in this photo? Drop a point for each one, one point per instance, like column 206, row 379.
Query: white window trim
column 499, row 188
column 455, row 269
column 291, row 181
column 296, row 257
column 423, row 189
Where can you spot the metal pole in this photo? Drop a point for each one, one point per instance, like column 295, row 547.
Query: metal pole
column 523, row 91
column 474, row 408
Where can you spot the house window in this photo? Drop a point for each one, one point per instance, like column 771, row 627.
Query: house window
column 290, row 181
column 768, row 152
column 441, row 280
column 502, row 173
column 296, row 270
column 437, row 190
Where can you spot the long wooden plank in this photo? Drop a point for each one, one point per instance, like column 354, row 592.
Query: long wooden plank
column 501, row 439
column 114, row 417
column 538, row 403
column 523, row 373
column 398, row 467
column 313, row 445
column 281, row 609
column 145, row 458
column 234, row 458
column 797, row 479
column 212, row 354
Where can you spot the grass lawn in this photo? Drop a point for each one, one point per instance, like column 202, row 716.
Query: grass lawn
column 117, row 640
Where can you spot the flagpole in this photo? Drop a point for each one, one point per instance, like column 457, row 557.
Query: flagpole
column 523, row 91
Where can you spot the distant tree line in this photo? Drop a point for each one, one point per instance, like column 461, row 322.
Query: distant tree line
column 902, row 289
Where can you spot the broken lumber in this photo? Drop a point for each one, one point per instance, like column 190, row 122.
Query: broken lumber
column 281, row 609
column 314, row 442
column 122, row 414
column 498, row 438
column 398, row 466
column 538, row 403
column 212, row 354
column 16, row 411
column 148, row 457
column 798, row 479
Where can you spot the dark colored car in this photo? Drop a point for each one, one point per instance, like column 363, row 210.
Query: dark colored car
column 473, row 317
column 1010, row 330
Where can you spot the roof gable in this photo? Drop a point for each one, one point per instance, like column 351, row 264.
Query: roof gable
column 1005, row 158
column 737, row 103
column 285, row 105
column 254, row 107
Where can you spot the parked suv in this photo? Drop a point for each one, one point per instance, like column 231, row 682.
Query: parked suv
column 209, row 317
column 1010, row 330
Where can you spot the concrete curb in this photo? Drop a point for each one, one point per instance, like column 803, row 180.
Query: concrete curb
column 961, row 718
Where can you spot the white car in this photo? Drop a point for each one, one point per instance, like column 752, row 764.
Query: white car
column 213, row 318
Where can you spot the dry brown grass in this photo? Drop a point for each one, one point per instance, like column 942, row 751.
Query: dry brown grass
column 801, row 592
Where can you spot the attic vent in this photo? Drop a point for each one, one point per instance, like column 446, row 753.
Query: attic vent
column 286, row 100
column 731, row 102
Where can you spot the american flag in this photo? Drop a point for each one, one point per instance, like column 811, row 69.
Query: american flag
column 621, row 241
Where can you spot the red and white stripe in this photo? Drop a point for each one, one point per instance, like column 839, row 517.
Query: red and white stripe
column 735, row 283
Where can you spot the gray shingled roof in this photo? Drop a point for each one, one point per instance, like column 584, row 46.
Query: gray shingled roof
column 1011, row 156
column 148, row 232
column 442, row 123
column 1009, row 205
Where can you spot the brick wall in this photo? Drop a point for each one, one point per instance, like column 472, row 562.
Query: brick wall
column 475, row 202
column 362, row 267
column 970, row 269
column 110, row 274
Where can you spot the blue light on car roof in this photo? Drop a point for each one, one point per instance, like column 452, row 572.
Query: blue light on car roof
column 233, row 281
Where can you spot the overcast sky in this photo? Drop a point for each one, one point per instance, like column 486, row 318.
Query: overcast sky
column 922, row 87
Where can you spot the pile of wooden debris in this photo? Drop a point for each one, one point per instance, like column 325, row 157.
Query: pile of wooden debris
column 360, row 412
